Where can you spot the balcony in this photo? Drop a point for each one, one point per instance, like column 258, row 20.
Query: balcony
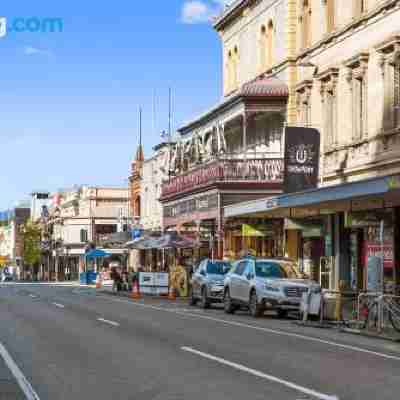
column 229, row 170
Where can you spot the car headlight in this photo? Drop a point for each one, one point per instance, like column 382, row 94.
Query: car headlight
column 271, row 288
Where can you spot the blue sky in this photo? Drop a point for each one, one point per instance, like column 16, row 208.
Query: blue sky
column 69, row 100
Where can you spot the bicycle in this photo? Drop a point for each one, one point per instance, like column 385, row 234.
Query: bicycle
column 377, row 307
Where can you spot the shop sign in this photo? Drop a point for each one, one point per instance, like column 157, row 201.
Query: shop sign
column 394, row 182
column 304, row 212
column 256, row 230
column 375, row 250
column 361, row 220
column 302, row 147
column 367, row 204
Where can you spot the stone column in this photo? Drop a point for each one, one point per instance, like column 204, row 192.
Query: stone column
column 396, row 244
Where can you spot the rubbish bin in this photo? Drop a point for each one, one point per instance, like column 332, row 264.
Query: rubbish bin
column 83, row 279
column 91, row 277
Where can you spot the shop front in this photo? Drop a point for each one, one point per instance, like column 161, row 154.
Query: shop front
column 256, row 236
column 342, row 236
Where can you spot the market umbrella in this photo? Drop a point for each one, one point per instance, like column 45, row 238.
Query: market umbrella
column 97, row 253
column 174, row 241
column 144, row 243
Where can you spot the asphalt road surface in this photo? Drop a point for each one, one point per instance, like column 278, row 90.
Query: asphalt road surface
column 71, row 343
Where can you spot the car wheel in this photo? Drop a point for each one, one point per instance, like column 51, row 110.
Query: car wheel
column 192, row 299
column 282, row 313
column 205, row 302
column 256, row 309
column 229, row 308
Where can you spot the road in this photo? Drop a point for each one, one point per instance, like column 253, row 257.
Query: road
column 71, row 343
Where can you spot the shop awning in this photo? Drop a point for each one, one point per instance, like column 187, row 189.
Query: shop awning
column 347, row 191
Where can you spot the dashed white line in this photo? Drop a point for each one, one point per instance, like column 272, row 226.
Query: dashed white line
column 58, row 305
column 106, row 321
column 23, row 383
column 240, row 367
column 262, row 329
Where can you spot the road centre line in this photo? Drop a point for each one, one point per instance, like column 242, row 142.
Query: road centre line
column 58, row 305
column 23, row 383
column 106, row 321
column 240, row 367
column 262, row 329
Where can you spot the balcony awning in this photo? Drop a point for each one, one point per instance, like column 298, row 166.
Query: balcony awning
column 314, row 197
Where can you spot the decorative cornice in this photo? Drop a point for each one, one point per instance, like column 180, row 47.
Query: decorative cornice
column 356, row 66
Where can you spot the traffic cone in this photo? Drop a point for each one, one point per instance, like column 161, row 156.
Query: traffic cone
column 135, row 290
column 171, row 293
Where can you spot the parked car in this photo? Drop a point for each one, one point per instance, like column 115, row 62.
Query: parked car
column 208, row 282
column 261, row 284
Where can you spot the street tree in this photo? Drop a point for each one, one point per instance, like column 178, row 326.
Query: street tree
column 31, row 243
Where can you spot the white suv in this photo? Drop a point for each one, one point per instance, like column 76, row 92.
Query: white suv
column 261, row 284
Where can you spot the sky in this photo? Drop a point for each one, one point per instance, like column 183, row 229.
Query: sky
column 69, row 100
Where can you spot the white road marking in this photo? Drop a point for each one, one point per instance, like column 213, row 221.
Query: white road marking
column 58, row 305
column 240, row 367
column 108, row 321
column 23, row 383
column 33, row 296
column 262, row 329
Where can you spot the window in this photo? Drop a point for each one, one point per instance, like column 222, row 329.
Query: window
column 360, row 7
column 328, row 81
column 390, row 65
column 249, row 268
column 330, row 15
column 396, row 94
column 305, row 22
column 357, row 79
column 303, row 91
column 263, row 48
column 240, row 268
column 218, row 267
column 270, row 269
column 231, row 69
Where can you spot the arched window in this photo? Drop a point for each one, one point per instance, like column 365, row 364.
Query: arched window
column 330, row 15
column 270, row 44
column 235, row 67
column 360, row 7
column 230, row 70
column 306, row 24
column 262, row 48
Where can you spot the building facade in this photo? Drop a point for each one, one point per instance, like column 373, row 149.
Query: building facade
column 347, row 57
column 234, row 151
column 77, row 218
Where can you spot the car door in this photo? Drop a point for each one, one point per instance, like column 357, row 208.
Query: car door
column 245, row 281
column 236, row 279
column 197, row 279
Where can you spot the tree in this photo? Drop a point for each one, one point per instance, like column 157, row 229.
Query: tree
column 31, row 241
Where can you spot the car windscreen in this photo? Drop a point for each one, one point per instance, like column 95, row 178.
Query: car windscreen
column 271, row 269
column 218, row 267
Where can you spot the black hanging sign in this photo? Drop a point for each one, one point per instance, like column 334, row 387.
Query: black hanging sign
column 302, row 146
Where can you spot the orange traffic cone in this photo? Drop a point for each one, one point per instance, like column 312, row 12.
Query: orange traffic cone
column 171, row 293
column 135, row 290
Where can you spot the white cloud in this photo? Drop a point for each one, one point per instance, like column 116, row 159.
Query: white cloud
column 31, row 51
column 201, row 11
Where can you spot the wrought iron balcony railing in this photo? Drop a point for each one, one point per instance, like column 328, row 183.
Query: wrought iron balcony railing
column 244, row 170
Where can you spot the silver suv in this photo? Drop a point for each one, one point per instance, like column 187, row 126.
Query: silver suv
column 261, row 284
column 208, row 282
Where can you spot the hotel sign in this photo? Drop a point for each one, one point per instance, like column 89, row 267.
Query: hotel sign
column 302, row 147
